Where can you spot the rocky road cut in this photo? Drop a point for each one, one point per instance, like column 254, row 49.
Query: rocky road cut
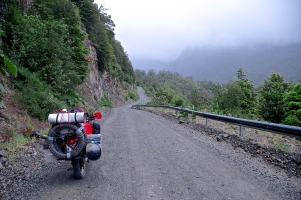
column 147, row 157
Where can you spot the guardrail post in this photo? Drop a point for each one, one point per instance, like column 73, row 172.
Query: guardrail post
column 207, row 121
column 241, row 130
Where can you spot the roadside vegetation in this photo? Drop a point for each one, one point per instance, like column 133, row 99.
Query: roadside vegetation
column 45, row 43
column 274, row 101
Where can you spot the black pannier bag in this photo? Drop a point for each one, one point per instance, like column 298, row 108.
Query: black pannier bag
column 96, row 128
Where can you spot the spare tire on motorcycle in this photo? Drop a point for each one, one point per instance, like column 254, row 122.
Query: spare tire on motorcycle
column 66, row 140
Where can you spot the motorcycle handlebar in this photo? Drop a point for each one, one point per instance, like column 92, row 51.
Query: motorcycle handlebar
column 90, row 118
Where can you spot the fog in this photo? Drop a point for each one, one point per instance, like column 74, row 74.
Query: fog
column 161, row 30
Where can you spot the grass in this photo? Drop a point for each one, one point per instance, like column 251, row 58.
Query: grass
column 45, row 131
column 11, row 132
column 16, row 125
column 28, row 122
column 282, row 146
column 276, row 141
column 265, row 134
column 105, row 102
column 12, row 156
column 17, row 141
column 230, row 128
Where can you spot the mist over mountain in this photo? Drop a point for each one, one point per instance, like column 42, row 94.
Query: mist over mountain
column 147, row 64
column 221, row 64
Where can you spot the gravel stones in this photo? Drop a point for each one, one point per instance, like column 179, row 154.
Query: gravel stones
column 20, row 178
column 277, row 169
column 290, row 162
column 2, row 153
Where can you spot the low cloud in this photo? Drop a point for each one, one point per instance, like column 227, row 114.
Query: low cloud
column 160, row 30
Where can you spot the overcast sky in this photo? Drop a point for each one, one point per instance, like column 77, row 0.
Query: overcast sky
column 161, row 29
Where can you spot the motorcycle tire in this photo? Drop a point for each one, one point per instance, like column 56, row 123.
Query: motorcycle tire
column 54, row 140
column 79, row 168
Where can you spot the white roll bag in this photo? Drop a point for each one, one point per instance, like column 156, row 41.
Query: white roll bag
column 57, row 118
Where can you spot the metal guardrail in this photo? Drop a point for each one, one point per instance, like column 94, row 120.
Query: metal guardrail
column 293, row 131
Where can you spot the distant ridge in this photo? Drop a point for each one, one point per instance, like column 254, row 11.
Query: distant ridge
column 220, row 65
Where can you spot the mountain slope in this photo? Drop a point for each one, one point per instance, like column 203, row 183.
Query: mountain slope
column 220, row 65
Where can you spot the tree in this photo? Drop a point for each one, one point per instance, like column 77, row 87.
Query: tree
column 293, row 106
column 271, row 100
column 104, row 49
column 107, row 19
column 6, row 67
column 45, row 49
column 167, row 97
column 247, row 96
column 110, row 53
column 66, row 12
column 226, row 98
column 92, row 19
column 195, row 96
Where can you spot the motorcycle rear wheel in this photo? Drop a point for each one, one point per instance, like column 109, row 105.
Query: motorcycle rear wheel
column 79, row 168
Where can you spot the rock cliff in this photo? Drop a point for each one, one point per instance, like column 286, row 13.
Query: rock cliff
column 96, row 85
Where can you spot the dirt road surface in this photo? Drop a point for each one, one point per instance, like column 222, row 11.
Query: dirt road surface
column 147, row 157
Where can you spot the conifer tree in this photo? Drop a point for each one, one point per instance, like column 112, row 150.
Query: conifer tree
column 293, row 106
column 271, row 100
column 247, row 96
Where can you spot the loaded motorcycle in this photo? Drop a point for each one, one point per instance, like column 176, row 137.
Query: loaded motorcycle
column 73, row 136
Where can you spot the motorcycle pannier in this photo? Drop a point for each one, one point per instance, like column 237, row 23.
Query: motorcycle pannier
column 93, row 151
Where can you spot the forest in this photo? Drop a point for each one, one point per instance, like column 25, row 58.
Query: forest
column 274, row 101
column 43, row 51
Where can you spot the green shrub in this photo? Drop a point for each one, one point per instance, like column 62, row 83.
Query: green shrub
column 226, row 98
column 132, row 94
column 73, row 98
column 6, row 67
column 39, row 100
column 105, row 102
column 177, row 101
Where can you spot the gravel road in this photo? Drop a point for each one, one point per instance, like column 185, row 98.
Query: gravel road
column 145, row 156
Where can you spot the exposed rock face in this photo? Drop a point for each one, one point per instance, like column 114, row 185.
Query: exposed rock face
column 96, row 85
column 92, row 88
column 115, row 92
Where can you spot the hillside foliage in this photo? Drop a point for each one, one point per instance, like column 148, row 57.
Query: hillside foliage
column 45, row 42
column 292, row 105
column 110, row 53
column 275, row 100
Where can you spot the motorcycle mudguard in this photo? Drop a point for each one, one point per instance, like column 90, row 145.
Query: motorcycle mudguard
column 49, row 157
